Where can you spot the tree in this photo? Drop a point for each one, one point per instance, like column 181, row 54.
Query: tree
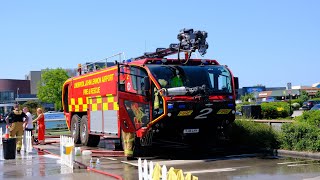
column 304, row 96
column 246, row 97
column 317, row 94
column 32, row 106
column 50, row 86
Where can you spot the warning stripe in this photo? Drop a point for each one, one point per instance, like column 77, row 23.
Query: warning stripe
column 96, row 103
column 104, row 103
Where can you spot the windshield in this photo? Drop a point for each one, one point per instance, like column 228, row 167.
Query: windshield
column 216, row 78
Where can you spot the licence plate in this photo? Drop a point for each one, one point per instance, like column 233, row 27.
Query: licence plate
column 186, row 131
column 185, row 113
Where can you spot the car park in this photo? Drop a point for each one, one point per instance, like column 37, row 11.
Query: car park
column 309, row 104
column 316, row 107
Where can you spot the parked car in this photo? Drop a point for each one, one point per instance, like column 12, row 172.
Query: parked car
column 309, row 104
column 316, row 107
column 3, row 117
column 238, row 113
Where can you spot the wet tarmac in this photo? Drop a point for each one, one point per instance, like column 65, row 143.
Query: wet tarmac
column 222, row 164
column 40, row 165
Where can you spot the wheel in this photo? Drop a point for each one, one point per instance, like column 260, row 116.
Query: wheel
column 75, row 128
column 86, row 138
column 139, row 150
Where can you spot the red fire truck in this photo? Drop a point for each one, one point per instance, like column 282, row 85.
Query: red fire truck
column 153, row 96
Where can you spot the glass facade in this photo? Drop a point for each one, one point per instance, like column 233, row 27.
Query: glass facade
column 7, row 96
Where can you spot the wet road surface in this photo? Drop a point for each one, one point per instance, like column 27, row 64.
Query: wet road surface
column 241, row 166
column 217, row 164
column 40, row 166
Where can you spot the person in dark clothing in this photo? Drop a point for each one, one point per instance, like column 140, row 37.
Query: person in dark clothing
column 16, row 125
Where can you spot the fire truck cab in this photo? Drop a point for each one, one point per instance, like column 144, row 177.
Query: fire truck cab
column 152, row 96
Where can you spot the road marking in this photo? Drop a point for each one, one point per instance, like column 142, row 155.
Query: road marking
column 315, row 178
column 167, row 163
column 294, row 162
column 212, row 170
column 294, row 165
column 130, row 163
column 171, row 162
column 178, row 162
column 51, row 156
column 112, row 159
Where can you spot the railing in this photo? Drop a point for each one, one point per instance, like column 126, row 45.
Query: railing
column 270, row 122
column 89, row 67
column 148, row 172
column 66, row 151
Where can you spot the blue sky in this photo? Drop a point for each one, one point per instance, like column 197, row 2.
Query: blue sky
column 263, row 42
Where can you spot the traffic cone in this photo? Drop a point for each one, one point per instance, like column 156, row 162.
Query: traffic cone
column 6, row 135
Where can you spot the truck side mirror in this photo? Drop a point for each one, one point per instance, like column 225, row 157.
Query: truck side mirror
column 236, row 82
column 146, row 82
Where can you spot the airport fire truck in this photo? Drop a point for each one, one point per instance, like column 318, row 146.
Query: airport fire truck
column 152, row 97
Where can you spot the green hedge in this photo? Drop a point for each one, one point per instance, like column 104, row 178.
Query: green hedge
column 300, row 137
column 297, row 101
column 295, row 106
column 310, row 117
column 274, row 110
column 303, row 134
column 316, row 99
column 249, row 133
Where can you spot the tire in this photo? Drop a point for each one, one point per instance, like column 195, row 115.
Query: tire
column 75, row 128
column 138, row 150
column 86, row 138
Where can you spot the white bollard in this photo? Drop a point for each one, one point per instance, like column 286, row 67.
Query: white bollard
column 1, row 136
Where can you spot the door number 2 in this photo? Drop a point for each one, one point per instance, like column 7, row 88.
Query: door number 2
column 203, row 113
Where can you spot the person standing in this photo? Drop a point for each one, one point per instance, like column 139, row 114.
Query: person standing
column 41, row 126
column 16, row 125
column 28, row 125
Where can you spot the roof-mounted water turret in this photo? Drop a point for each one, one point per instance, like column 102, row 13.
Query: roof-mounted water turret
column 189, row 41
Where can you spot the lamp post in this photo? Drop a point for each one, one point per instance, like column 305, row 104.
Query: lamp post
column 289, row 86
column 17, row 94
